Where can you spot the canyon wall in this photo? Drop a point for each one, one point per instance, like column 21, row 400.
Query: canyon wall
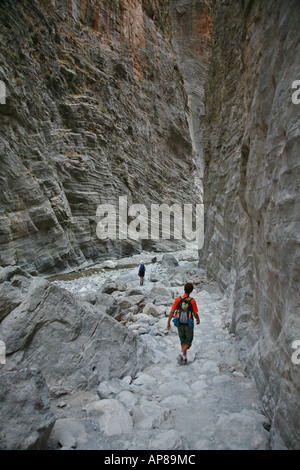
column 251, row 194
column 95, row 109
column 192, row 25
column 98, row 106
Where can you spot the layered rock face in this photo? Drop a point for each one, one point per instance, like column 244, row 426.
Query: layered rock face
column 192, row 24
column 251, row 193
column 95, row 109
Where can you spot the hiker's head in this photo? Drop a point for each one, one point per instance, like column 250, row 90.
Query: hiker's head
column 188, row 288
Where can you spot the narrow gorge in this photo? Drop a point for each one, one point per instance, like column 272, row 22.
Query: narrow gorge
column 157, row 102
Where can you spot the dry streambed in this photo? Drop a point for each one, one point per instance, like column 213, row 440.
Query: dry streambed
column 210, row 403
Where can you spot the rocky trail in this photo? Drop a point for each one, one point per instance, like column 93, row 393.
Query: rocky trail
column 209, row 403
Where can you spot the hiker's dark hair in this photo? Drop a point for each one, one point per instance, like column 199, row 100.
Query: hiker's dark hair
column 188, row 288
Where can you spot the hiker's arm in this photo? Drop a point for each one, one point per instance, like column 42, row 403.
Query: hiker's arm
column 169, row 319
column 195, row 312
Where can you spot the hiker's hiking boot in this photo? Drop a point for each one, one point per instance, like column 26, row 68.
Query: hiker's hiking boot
column 180, row 359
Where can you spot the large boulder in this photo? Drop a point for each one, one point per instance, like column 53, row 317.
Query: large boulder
column 74, row 344
column 107, row 304
column 112, row 416
column 26, row 416
column 169, row 260
column 161, row 291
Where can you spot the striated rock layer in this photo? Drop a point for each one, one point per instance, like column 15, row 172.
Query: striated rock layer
column 251, row 194
column 95, row 109
column 192, row 23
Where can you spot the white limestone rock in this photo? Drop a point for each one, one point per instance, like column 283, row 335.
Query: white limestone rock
column 112, row 416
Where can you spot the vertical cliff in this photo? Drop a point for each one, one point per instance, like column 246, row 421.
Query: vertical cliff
column 95, row 109
column 251, row 193
column 192, row 24
column 99, row 106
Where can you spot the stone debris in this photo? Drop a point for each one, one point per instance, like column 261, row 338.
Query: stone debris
column 207, row 404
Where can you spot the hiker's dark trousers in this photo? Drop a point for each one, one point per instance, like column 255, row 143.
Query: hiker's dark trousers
column 186, row 334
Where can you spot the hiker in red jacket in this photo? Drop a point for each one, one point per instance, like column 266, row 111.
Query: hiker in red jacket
column 185, row 308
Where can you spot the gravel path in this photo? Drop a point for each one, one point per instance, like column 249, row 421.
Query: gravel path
column 209, row 403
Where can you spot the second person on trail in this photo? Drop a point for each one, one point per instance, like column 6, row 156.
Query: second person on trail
column 185, row 308
column 141, row 273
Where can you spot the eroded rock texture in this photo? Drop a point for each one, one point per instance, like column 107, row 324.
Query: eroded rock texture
column 252, row 193
column 95, row 109
column 73, row 343
column 26, row 415
column 56, row 345
column 192, row 25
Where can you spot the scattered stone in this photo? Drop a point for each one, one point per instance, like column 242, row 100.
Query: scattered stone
column 237, row 373
column 166, row 440
column 112, row 417
column 121, row 286
column 128, row 399
column 154, row 276
column 149, row 415
column 176, row 387
column 198, row 385
column 61, row 404
column 151, row 310
column 135, row 291
column 145, row 409
column 106, row 303
column 243, row 431
column 108, row 288
column 111, row 388
column 161, row 291
column 169, row 260
column 68, row 434
column 128, row 302
column 144, row 379
column 109, row 264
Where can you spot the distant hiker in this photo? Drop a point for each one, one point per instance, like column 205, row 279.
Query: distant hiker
column 185, row 308
column 142, row 269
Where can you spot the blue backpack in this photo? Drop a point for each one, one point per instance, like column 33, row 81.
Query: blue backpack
column 142, row 270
